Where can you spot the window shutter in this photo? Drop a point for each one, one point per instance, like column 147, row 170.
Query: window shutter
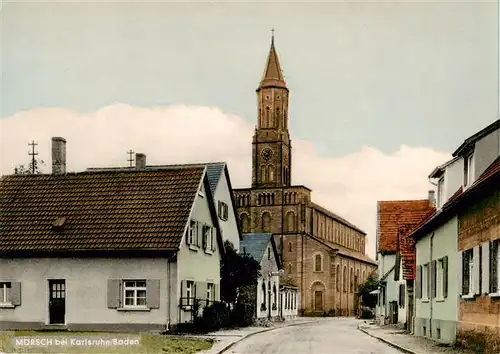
column 216, row 291
column 418, row 287
column 493, row 267
column 476, row 261
column 204, row 236
column 485, row 271
column 15, row 294
column 153, row 293
column 199, row 233
column 114, row 293
column 445, row 277
column 433, row 279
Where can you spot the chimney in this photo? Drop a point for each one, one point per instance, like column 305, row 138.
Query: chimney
column 140, row 160
column 432, row 199
column 58, row 156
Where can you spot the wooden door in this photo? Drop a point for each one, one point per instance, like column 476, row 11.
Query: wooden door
column 57, row 301
column 318, row 301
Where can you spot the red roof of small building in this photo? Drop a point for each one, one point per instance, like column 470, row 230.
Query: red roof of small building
column 396, row 219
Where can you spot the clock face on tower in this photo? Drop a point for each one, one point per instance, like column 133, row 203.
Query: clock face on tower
column 267, row 154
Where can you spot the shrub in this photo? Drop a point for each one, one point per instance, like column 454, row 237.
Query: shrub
column 243, row 314
column 216, row 316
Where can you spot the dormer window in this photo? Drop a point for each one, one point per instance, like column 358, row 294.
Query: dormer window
column 469, row 170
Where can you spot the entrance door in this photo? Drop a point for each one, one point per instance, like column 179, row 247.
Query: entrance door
column 318, row 301
column 57, row 301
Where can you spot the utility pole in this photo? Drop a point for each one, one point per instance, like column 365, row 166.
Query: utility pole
column 33, row 155
column 130, row 153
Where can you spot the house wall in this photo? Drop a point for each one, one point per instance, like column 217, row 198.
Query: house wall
column 386, row 262
column 401, row 307
column 196, row 264
column 289, row 308
column 478, row 225
column 437, row 318
column 486, row 151
column 229, row 227
column 86, row 292
column 453, row 178
column 268, row 265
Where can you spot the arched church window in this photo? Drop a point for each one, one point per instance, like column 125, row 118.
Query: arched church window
column 337, row 277
column 318, row 263
column 271, row 173
column 290, row 221
column 344, row 280
column 268, row 118
column 264, row 173
column 244, row 222
column 277, row 119
column 266, row 222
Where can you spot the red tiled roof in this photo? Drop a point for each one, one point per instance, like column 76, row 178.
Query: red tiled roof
column 395, row 221
column 122, row 210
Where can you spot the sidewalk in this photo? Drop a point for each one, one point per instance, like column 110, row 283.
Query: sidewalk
column 225, row 339
column 406, row 342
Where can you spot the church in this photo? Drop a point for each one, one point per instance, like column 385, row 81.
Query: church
column 321, row 253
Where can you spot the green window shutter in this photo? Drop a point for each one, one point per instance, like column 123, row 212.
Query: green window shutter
column 418, row 287
column 113, row 295
column 153, row 293
column 493, row 266
column 445, row 277
column 14, row 295
column 433, row 279
column 485, row 268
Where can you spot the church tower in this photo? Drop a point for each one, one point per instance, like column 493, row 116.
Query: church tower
column 271, row 146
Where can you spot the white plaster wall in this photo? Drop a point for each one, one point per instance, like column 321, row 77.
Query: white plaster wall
column 229, row 227
column 268, row 265
column 198, row 265
column 401, row 310
column 86, row 288
column 453, row 178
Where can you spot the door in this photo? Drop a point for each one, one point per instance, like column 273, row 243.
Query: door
column 318, row 301
column 57, row 301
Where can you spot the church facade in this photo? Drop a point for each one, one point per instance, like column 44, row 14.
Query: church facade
column 321, row 253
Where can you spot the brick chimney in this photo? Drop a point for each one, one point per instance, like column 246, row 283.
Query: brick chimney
column 432, row 199
column 58, row 156
column 140, row 160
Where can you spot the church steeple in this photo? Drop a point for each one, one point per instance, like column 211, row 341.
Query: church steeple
column 273, row 75
column 271, row 143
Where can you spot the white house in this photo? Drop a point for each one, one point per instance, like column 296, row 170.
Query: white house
column 273, row 300
column 439, row 262
column 107, row 250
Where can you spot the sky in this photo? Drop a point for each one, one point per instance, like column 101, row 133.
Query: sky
column 380, row 92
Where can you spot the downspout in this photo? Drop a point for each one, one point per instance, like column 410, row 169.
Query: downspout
column 432, row 285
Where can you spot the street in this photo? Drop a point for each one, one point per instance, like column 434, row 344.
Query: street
column 329, row 335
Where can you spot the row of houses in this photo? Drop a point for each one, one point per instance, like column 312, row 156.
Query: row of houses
column 438, row 257
column 123, row 248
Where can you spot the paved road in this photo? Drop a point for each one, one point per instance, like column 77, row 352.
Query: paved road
column 328, row 336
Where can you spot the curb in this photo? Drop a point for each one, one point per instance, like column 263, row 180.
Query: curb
column 230, row 345
column 398, row 347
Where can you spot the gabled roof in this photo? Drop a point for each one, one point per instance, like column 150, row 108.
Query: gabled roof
column 392, row 215
column 490, row 178
column 438, row 171
column 255, row 244
column 478, row 136
column 104, row 211
column 336, row 217
column 273, row 75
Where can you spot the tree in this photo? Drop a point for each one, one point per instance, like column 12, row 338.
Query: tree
column 237, row 272
column 32, row 169
column 371, row 283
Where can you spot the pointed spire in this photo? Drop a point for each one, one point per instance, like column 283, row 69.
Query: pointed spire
column 273, row 75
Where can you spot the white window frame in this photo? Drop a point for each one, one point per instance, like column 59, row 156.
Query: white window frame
column 223, row 210
column 193, row 233
column 208, row 236
column 471, row 276
column 470, row 169
column 210, row 292
column 440, row 200
column 4, row 293
column 190, row 292
column 439, row 279
column 135, row 289
column 425, row 280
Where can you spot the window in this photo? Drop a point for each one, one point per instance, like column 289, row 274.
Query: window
column 494, row 267
column 401, row 295
column 266, row 222
column 210, row 292
column 208, row 237
column 440, row 199
column 263, row 305
column 190, row 292
column 4, row 293
column 352, row 280
column 337, row 277
column 275, row 297
column 192, row 233
column 318, row 266
column 223, row 210
column 289, row 268
column 469, row 170
column 468, row 272
column 244, row 223
column 425, row 281
column 134, row 293
column 269, row 253
column 289, row 247
column 439, row 279
column 344, row 282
